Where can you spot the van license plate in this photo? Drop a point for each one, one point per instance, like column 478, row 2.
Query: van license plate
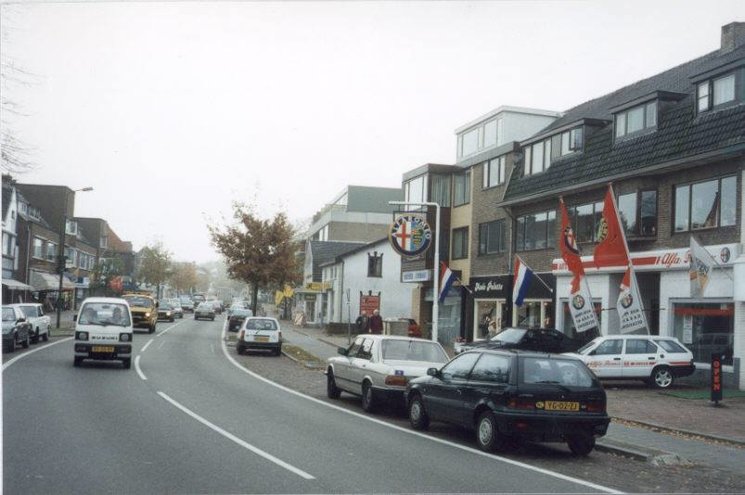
column 102, row 348
column 261, row 339
column 554, row 405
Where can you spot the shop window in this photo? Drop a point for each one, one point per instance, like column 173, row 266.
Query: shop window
column 490, row 317
column 535, row 314
column 706, row 328
column 568, row 322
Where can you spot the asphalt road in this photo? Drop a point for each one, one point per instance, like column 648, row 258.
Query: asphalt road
column 189, row 418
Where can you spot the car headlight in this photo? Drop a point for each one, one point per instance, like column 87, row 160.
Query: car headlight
column 81, row 335
column 125, row 337
column 147, row 315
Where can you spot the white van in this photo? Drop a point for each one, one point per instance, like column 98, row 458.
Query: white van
column 103, row 331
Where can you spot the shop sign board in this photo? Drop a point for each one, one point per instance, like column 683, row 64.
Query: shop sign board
column 416, row 276
column 410, row 234
column 369, row 303
column 716, row 377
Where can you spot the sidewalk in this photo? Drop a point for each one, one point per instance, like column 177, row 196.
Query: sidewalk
column 657, row 426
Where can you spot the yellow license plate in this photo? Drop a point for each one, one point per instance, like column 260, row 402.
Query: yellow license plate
column 555, row 405
column 102, row 348
column 261, row 339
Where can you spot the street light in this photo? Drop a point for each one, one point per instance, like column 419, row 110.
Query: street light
column 61, row 256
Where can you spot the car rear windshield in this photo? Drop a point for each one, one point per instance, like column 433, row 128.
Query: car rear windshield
column 241, row 313
column 262, row 325
column 567, row 372
column 670, row 345
column 413, row 350
column 510, row 335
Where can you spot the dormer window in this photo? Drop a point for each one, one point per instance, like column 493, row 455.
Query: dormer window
column 636, row 120
column 715, row 92
column 539, row 156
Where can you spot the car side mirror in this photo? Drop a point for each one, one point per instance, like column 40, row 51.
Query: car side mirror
column 75, row 317
column 21, row 319
column 433, row 372
column 343, row 351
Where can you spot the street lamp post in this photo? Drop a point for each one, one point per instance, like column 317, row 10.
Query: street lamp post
column 435, row 270
column 61, row 255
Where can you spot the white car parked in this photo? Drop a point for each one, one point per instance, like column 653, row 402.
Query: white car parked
column 378, row 367
column 260, row 332
column 655, row 360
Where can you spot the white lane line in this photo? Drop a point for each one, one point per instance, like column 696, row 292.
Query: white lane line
column 169, row 328
column 237, row 440
column 137, row 368
column 416, row 433
column 144, row 347
column 28, row 353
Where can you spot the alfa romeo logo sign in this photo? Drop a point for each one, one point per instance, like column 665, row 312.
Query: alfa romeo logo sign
column 410, row 234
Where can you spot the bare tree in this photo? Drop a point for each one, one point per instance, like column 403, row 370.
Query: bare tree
column 155, row 266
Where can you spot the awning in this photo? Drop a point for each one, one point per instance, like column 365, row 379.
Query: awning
column 48, row 281
column 15, row 284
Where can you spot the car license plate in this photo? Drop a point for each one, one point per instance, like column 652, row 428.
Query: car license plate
column 555, row 405
column 261, row 338
column 102, row 348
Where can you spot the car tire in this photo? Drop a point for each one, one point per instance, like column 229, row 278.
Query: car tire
column 12, row 345
column 332, row 391
column 418, row 417
column 77, row 361
column 278, row 351
column 35, row 339
column 151, row 329
column 239, row 349
column 662, row 377
column 127, row 363
column 487, row 433
column 45, row 337
column 212, row 319
column 27, row 341
column 581, row 444
column 172, row 319
column 368, row 397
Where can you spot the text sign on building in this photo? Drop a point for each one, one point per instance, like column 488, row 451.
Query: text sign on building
column 410, row 234
column 716, row 377
column 417, row 276
column 369, row 303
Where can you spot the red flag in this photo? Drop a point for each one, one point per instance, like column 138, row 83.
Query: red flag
column 611, row 250
column 569, row 249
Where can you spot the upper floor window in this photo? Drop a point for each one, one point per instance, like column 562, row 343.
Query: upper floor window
column 536, row 231
column 375, row 264
column 34, row 213
column 7, row 244
column 638, row 213
column 462, row 188
column 571, row 141
column 537, row 157
column 636, row 119
column 71, row 227
column 51, row 251
column 494, row 172
column 705, row 205
column 460, row 243
column 415, row 190
column 72, row 256
column 717, row 91
column 38, row 248
column 585, row 220
column 441, row 189
column 492, row 237
column 104, row 242
column 486, row 135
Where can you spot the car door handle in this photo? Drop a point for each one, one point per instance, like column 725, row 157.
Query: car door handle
column 616, row 359
column 651, row 358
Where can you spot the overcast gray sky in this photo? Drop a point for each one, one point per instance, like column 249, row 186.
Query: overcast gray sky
column 171, row 111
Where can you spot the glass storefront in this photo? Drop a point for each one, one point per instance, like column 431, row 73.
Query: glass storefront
column 569, row 327
column 706, row 328
column 535, row 313
column 490, row 316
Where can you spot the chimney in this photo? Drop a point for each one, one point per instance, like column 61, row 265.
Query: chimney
column 733, row 36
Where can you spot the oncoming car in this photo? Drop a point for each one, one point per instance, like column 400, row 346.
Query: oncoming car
column 103, row 331
column 509, row 395
column 378, row 367
column 656, row 360
column 261, row 333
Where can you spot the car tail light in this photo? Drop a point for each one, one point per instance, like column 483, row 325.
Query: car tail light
column 595, row 407
column 521, row 404
column 396, row 380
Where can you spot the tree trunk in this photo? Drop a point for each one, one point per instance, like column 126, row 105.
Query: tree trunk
column 255, row 298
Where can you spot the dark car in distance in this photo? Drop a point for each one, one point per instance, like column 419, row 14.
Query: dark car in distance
column 511, row 395
column 237, row 317
column 204, row 310
column 529, row 339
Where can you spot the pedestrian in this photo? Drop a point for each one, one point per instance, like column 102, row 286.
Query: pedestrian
column 363, row 322
column 376, row 322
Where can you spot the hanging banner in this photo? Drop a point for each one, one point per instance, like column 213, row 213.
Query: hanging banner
column 629, row 305
column 581, row 307
column 701, row 264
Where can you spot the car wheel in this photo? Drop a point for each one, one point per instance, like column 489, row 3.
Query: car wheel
column 239, row 349
column 35, row 340
column 77, row 361
column 127, row 363
column 151, row 329
column 27, row 341
column 212, row 319
column 417, row 414
column 487, row 433
column 12, row 345
column 332, row 391
column 581, row 444
column 45, row 337
column 172, row 319
column 278, row 351
column 368, row 397
column 662, row 377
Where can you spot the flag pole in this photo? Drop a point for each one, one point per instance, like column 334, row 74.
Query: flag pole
column 536, row 274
